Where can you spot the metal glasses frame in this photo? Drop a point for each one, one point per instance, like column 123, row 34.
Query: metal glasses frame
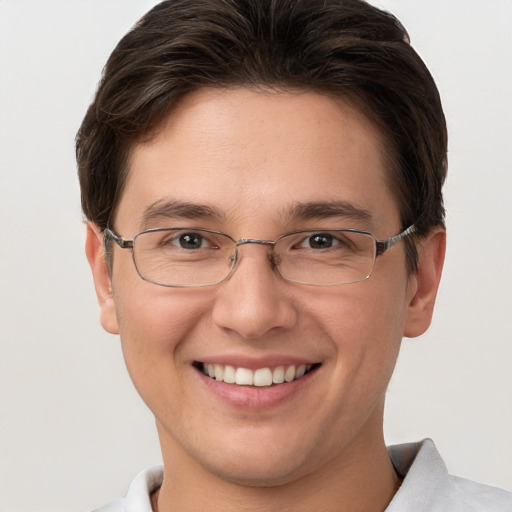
column 381, row 246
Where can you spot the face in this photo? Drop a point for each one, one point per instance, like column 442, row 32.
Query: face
column 256, row 159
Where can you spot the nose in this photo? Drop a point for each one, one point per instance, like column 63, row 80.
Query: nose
column 254, row 300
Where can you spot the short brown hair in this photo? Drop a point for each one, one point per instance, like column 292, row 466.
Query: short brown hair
column 344, row 48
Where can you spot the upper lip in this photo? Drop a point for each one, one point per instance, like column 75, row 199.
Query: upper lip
column 239, row 361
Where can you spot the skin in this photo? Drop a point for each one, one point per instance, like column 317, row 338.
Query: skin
column 253, row 156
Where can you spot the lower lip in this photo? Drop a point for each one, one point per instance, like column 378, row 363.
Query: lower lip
column 256, row 398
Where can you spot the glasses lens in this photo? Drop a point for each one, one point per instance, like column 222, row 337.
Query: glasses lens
column 183, row 257
column 326, row 257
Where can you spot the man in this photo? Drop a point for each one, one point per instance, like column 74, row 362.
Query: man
column 262, row 181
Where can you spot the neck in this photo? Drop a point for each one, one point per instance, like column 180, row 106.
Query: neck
column 363, row 480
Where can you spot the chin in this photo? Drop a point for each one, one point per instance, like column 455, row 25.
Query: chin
column 258, row 462
column 252, row 473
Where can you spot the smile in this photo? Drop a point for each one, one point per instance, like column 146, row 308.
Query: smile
column 261, row 377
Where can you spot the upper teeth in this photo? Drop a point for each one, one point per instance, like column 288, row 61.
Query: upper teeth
column 259, row 377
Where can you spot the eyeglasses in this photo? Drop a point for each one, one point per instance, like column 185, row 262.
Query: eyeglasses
column 186, row 257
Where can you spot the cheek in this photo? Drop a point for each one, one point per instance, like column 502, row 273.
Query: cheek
column 149, row 315
column 154, row 322
column 365, row 313
column 365, row 327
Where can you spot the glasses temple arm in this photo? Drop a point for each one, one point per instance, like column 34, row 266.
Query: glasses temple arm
column 384, row 245
column 124, row 244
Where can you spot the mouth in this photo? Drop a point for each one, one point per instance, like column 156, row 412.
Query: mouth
column 260, row 377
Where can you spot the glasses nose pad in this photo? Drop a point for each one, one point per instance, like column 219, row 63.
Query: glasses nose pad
column 274, row 259
column 232, row 260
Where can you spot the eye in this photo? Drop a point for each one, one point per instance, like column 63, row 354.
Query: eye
column 191, row 241
column 185, row 240
column 319, row 241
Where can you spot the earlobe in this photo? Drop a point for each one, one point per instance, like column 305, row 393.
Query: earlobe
column 425, row 283
column 101, row 276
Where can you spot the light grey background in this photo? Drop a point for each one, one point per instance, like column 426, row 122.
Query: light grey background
column 73, row 432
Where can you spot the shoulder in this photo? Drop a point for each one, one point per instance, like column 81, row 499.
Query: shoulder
column 428, row 487
column 138, row 497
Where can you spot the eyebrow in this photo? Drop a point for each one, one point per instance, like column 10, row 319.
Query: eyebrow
column 174, row 209
column 330, row 209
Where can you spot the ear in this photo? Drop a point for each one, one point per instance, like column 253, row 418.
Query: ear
column 101, row 276
column 425, row 282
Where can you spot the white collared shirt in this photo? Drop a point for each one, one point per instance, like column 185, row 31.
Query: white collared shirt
column 427, row 486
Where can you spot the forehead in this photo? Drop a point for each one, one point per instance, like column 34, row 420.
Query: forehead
column 247, row 153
